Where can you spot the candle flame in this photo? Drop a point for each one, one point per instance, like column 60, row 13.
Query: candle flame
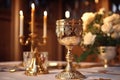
column 67, row 14
column 33, row 6
column 45, row 13
column 21, row 13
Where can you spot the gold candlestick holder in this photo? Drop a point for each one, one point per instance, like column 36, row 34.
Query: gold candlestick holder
column 36, row 65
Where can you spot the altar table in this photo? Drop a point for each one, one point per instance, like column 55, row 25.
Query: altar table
column 92, row 73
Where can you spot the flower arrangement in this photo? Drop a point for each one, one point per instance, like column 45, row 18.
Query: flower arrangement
column 99, row 29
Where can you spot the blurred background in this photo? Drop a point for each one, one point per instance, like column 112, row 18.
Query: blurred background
column 10, row 48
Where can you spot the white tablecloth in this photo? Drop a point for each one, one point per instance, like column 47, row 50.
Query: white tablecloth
column 93, row 73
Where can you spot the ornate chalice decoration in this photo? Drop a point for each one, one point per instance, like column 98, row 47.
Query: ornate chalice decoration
column 69, row 33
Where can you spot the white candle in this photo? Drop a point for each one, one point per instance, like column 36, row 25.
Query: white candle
column 21, row 22
column 32, row 17
column 45, row 24
column 67, row 14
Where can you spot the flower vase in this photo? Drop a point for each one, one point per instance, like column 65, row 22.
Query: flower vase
column 107, row 53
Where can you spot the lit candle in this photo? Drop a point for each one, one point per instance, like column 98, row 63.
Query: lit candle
column 32, row 17
column 45, row 25
column 21, row 22
column 67, row 14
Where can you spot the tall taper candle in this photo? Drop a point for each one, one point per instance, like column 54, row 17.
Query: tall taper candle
column 45, row 25
column 32, row 17
column 21, row 22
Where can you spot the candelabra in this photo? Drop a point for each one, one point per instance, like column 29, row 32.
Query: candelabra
column 36, row 65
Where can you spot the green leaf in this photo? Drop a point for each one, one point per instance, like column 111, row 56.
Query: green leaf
column 85, row 54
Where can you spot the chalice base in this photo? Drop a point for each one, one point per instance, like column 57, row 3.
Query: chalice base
column 70, row 75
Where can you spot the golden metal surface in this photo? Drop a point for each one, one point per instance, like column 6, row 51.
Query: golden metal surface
column 69, row 72
column 36, row 65
column 69, row 75
column 69, row 34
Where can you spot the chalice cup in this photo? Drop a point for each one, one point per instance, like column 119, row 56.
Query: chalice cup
column 69, row 34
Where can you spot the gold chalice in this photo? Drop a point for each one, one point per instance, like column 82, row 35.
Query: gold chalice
column 69, row 34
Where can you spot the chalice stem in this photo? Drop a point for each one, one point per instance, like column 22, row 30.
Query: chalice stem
column 69, row 72
column 69, row 59
column 105, row 63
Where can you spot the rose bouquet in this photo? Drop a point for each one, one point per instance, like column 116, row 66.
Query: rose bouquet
column 99, row 29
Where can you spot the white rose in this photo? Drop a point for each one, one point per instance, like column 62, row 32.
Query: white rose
column 119, row 34
column 114, row 18
column 115, row 35
column 97, row 25
column 89, row 38
column 116, row 27
column 117, row 21
column 106, row 28
column 101, row 11
column 87, row 18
